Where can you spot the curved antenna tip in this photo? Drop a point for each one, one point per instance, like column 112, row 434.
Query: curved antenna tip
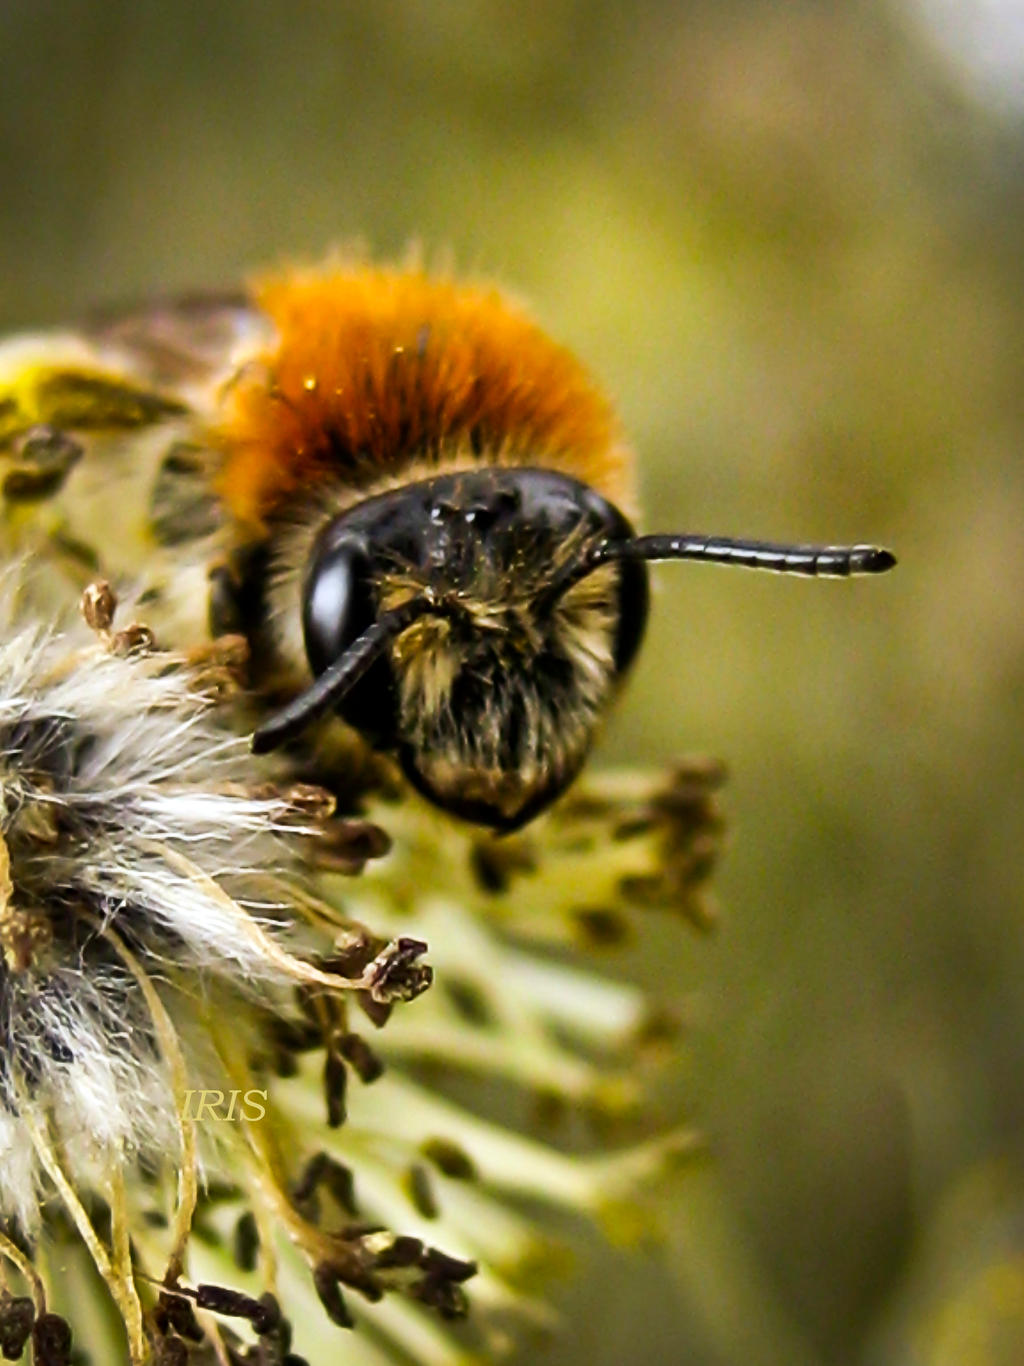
column 328, row 688
column 262, row 741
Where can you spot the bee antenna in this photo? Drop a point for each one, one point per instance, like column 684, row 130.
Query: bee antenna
column 836, row 561
column 326, row 691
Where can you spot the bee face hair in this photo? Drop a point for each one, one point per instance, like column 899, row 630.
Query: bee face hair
column 489, row 689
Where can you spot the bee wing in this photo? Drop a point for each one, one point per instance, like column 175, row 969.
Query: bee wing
column 106, row 467
column 182, row 342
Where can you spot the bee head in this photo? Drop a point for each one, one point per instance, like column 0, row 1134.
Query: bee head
column 477, row 624
column 436, row 623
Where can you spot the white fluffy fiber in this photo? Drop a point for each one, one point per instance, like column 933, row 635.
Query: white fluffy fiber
column 121, row 804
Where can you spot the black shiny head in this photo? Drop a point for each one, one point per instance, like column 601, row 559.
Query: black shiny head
column 489, row 686
column 477, row 625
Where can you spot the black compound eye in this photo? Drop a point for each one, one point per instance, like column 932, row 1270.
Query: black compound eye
column 338, row 605
column 604, row 520
column 634, row 581
column 634, row 599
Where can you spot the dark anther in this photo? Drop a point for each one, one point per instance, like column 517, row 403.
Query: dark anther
column 267, row 1317
column 335, row 1086
column 298, row 1036
column 221, row 1299
column 334, row 1176
column 449, row 1159
column 469, row 1000
column 377, row 1012
column 352, row 955
column 295, row 1036
column 358, row 840
column 395, row 975
column 340, row 1183
column 174, row 1311
column 17, row 1315
column 602, row 926
column 441, row 1286
column 51, row 1340
column 437, row 1263
column 312, row 1174
column 421, row 1191
column 496, row 863
column 447, row 1298
column 246, row 1242
column 403, row 1251
column 325, row 1281
column 170, row 1352
column 358, row 1052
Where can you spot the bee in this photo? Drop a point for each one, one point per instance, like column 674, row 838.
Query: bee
column 415, row 506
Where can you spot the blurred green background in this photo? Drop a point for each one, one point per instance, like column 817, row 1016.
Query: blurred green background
column 788, row 236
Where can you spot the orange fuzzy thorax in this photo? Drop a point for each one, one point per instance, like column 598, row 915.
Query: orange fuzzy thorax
column 378, row 370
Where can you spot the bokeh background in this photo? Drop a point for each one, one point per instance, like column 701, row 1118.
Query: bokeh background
column 789, row 237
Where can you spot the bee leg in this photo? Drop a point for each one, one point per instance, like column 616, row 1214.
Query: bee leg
column 235, row 605
column 225, row 608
